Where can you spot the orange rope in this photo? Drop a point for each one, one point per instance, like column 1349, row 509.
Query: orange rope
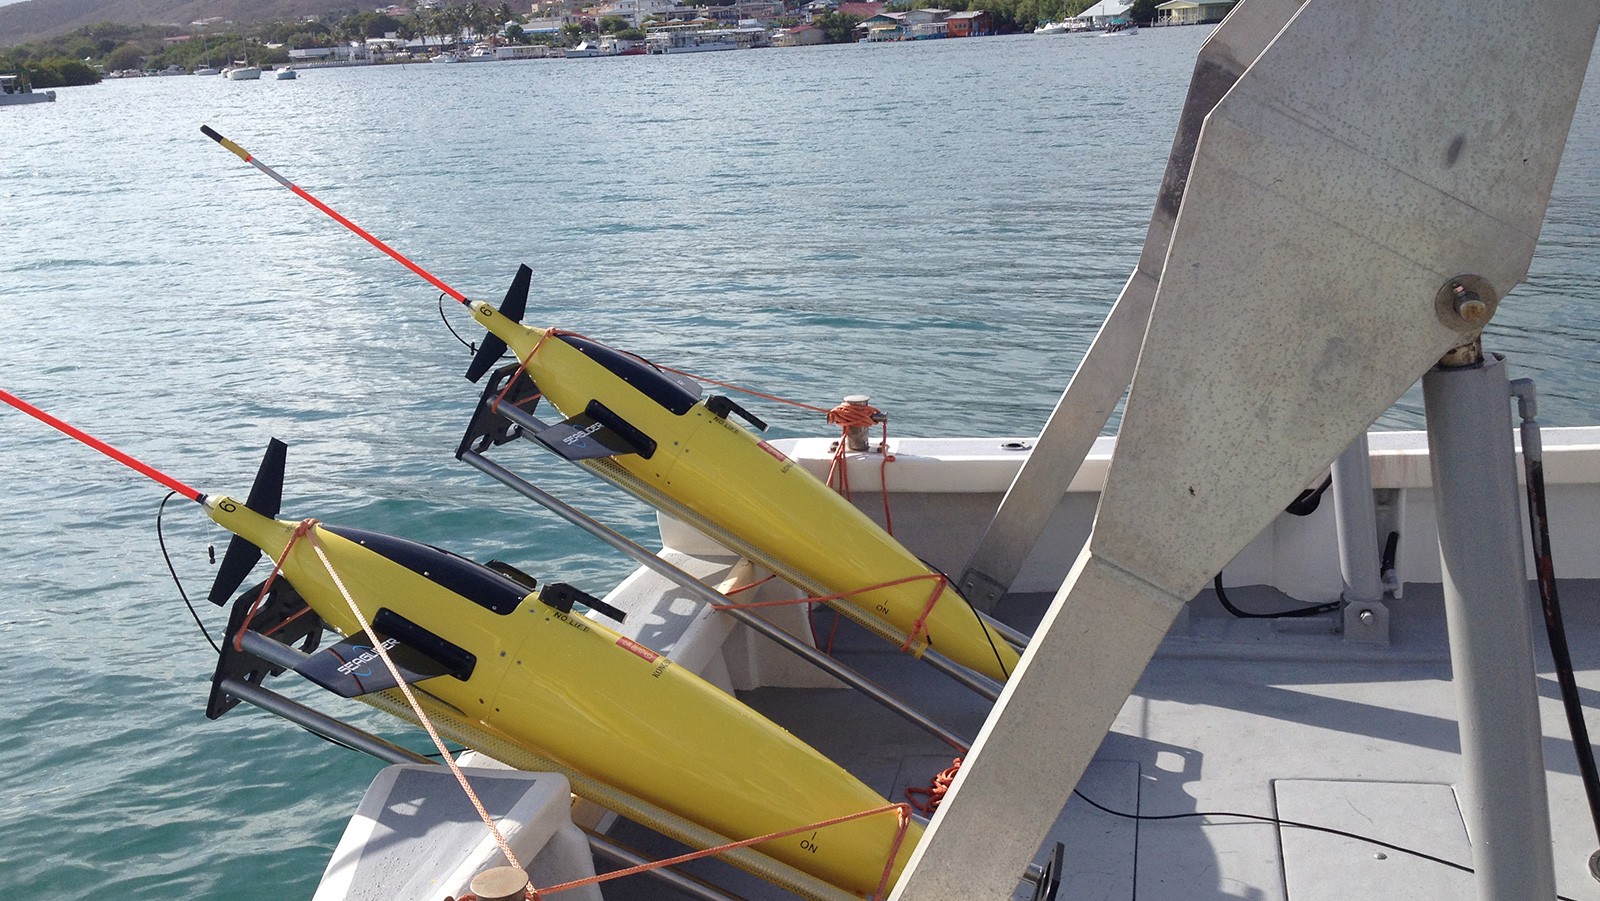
column 756, row 584
column 935, row 791
column 849, row 416
column 277, row 567
column 416, row 706
column 917, row 628
column 732, row 387
column 902, row 810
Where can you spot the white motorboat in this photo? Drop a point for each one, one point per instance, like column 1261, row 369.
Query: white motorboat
column 444, row 58
column 1051, row 28
column 584, row 50
column 285, row 74
column 15, row 92
column 1364, row 718
column 208, row 70
column 242, row 73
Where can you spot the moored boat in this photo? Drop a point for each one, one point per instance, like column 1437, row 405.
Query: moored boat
column 16, row 92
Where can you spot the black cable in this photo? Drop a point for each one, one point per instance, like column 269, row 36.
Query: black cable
column 471, row 347
column 1308, row 500
column 161, row 540
column 1276, row 821
column 1555, row 627
column 987, row 632
column 1315, row 610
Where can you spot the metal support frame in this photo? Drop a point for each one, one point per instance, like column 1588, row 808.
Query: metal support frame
column 1356, row 519
column 1486, row 604
column 709, row 595
column 604, row 846
column 1365, row 615
column 320, row 724
column 531, row 425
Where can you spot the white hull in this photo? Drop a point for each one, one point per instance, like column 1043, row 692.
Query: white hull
column 23, row 99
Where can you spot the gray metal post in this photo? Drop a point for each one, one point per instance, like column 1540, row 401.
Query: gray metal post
column 1356, row 519
column 1486, row 601
column 320, row 723
column 710, row 595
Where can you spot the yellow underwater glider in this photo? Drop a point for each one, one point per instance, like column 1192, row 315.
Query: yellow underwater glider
column 677, row 450
column 484, row 646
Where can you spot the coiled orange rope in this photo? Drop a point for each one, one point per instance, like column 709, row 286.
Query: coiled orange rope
column 926, row 800
column 849, row 416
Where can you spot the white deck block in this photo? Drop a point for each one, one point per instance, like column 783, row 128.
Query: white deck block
column 416, row 836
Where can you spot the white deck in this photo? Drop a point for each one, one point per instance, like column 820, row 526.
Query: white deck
column 1235, row 716
column 1282, row 718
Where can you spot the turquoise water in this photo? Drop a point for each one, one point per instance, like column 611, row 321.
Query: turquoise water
column 941, row 225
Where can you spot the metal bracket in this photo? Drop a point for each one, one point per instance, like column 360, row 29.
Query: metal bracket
column 1366, row 622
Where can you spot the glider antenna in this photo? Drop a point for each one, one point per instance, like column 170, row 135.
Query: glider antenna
column 360, row 232
column 127, row 460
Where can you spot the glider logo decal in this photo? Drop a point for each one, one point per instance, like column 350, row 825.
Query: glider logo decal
column 357, row 666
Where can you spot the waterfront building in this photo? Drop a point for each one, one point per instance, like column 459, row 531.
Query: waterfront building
column 1192, row 12
column 799, row 36
column 970, row 24
column 1100, row 15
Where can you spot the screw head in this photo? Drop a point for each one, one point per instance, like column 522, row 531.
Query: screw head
column 1466, row 303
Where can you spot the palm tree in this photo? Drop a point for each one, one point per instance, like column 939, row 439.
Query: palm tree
column 447, row 22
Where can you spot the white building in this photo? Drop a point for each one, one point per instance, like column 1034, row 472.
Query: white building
column 635, row 11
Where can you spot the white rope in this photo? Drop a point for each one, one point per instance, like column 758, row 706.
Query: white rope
column 416, row 707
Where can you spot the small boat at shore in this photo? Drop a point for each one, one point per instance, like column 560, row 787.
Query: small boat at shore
column 16, row 92
column 287, row 73
column 1051, row 28
column 242, row 73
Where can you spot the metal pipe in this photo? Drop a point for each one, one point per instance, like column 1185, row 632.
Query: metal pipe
column 604, row 846
column 1486, row 603
column 320, row 723
column 1356, row 520
column 986, row 687
column 709, row 595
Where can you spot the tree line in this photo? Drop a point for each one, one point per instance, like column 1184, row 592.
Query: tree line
column 77, row 57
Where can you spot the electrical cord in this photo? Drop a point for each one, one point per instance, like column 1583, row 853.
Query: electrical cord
column 1314, row 610
column 1277, row 821
column 470, row 346
column 161, row 540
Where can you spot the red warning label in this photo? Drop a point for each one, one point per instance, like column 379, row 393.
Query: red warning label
column 776, row 454
column 637, row 648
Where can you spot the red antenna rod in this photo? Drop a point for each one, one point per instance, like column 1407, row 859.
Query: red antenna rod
column 131, row 462
column 360, row 232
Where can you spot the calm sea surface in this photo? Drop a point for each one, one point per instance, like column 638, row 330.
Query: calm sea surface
column 942, row 225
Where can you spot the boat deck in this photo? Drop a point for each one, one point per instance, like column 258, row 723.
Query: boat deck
column 1273, row 718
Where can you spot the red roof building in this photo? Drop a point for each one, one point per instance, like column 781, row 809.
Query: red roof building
column 970, row 24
